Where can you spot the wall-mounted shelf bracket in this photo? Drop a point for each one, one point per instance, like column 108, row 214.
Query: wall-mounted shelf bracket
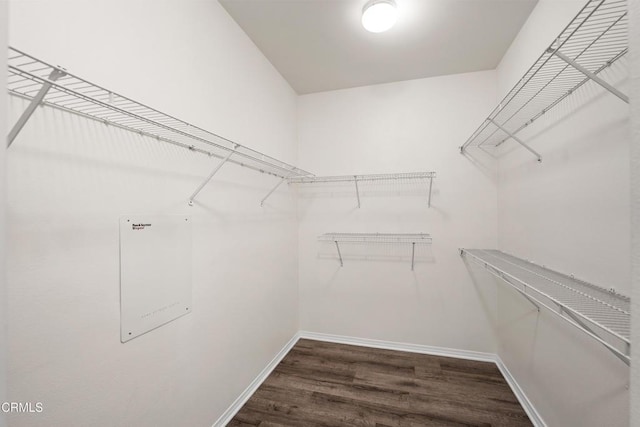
column 518, row 140
column 275, row 187
column 522, row 290
column 355, row 180
column 413, row 254
column 55, row 74
column 206, row 181
column 589, row 74
column 430, row 188
column 339, row 253
column 599, row 313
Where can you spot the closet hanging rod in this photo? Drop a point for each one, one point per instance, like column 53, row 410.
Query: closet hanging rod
column 53, row 86
column 600, row 313
column 594, row 40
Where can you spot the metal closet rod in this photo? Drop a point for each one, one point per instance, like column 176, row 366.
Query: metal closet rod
column 45, row 84
column 588, row 307
column 412, row 238
column 364, row 178
column 590, row 43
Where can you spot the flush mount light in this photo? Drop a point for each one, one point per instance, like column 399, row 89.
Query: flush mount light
column 379, row 15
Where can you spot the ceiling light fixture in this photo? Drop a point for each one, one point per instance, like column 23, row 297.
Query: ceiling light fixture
column 379, row 15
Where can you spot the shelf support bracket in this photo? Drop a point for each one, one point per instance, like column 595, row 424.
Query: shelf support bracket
column 355, row 179
column 518, row 140
column 413, row 254
column 524, row 294
column 590, row 331
column 206, row 181
column 589, row 74
column 581, row 324
column 35, row 101
column 502, row 277
column 430, row 187
column 272, row 190
column 576, row 319
column 339, row 254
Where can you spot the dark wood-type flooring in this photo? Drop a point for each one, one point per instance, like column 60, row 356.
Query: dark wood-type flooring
column 326, row 384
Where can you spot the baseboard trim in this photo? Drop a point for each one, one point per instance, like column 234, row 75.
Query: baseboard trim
column 399, row 346
column 534, row 416
column 528, row 407
column 248, row 392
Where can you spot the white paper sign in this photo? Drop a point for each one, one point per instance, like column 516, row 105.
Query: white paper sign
column 155, row 272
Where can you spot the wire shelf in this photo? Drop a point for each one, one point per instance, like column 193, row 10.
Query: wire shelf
column 603, row 314
column 53, row 86
column 387, row 238
column 362, row 178
column 593, row 41
column 418, row 238
column 390, row 177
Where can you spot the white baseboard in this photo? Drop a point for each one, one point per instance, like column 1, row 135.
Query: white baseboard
column 534, row 416
column 248, row 392
column 528, row 407
column 399, row 346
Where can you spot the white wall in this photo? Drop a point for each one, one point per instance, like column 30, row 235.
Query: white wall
column 70, row 179
column 398, row 127
column 3, row 299
column 570, row 213
column 634, row 70
column 578, row 196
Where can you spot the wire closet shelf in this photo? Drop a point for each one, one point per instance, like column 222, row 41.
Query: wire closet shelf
column 53, row 86
column 600, row 313
column 362, row 178
column 389, row 177
column 387, row 238
column 419, row 238
column 592, row 42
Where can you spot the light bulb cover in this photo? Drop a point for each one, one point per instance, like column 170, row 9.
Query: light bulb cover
column 379, row 15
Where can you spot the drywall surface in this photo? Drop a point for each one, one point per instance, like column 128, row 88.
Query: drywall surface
column 634, row 71
column 399, row 127
column 571, row 213
column 549, row 210
column 70, row 179
column 3, row 298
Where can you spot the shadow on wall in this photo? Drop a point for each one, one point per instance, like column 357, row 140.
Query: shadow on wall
column 384, row 252
column 417, row 188
column 485, row 162
column 491, row 291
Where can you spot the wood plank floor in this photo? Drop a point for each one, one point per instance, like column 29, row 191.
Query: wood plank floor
column 326, row 384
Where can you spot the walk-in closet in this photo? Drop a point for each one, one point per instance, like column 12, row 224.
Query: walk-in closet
column 320, row 213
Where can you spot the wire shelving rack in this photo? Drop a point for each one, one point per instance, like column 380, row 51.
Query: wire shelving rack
column 46, row 84
column 400, row 177
column 377, row 238
column 600, row 313
column 592, row 42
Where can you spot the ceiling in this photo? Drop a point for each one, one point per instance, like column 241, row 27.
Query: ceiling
column 320, row 45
